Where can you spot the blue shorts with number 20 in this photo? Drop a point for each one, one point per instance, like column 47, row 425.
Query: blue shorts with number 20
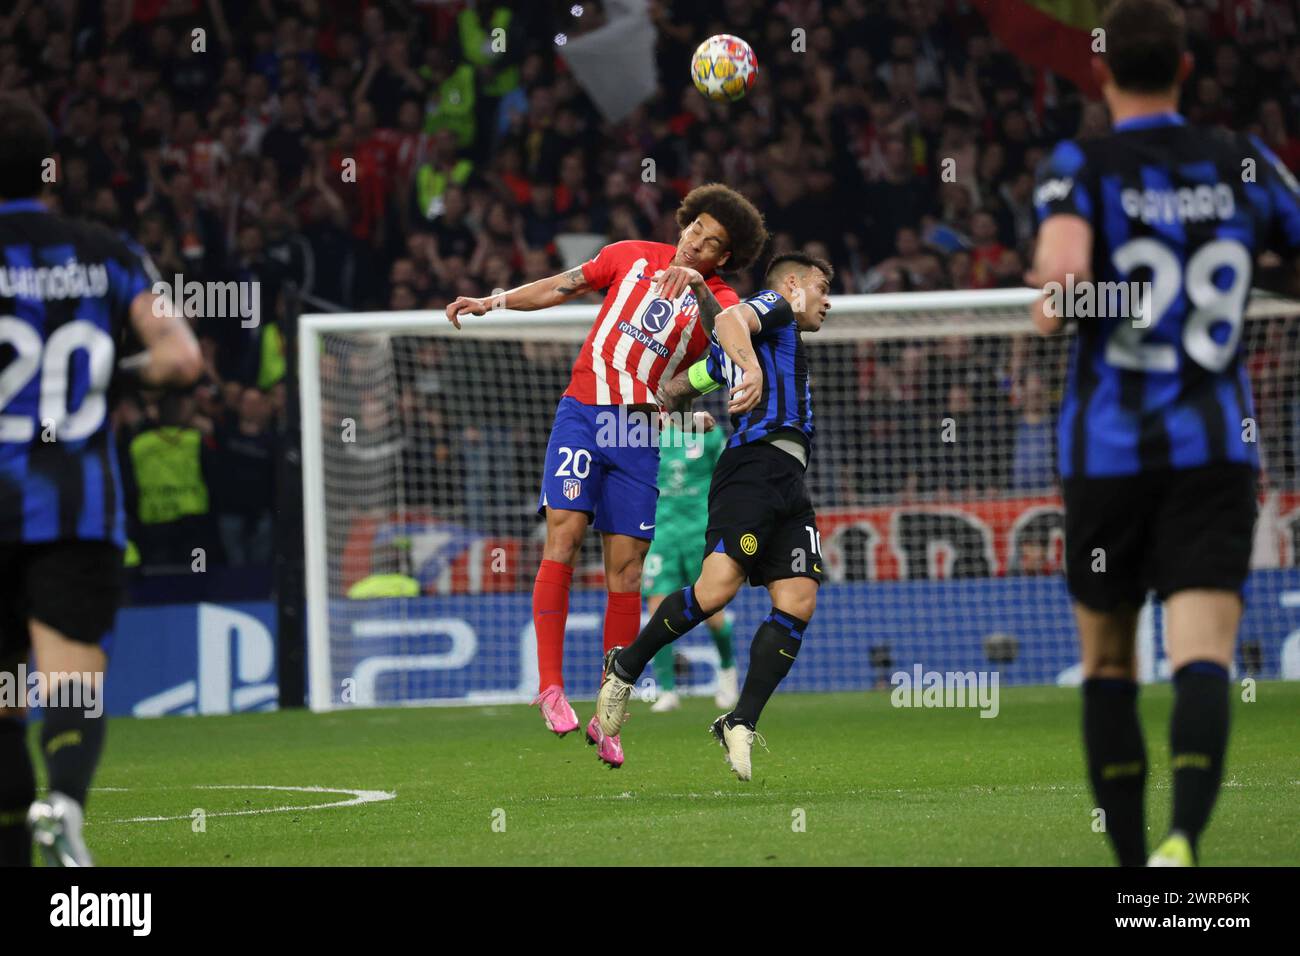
column 614, row 480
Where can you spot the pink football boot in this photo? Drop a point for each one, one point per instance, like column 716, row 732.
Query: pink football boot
column 559, row 716
column 608, row 749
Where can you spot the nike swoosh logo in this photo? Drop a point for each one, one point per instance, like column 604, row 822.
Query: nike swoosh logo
column 670, row 628
column 781, row 650
column 817, row 568
column 646, row 527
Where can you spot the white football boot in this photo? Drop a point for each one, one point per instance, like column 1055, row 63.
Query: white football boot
column 56, row 828
column 667, row 701
column 728, row 692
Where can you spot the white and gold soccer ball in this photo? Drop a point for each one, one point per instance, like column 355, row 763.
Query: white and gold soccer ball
column 724, row 67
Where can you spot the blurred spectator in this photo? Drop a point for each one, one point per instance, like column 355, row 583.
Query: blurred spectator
column 167, row 476
column 243, row 466
column 1033, row 466
column 395, row 156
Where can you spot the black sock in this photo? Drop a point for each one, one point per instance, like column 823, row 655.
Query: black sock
column 71, row 742
column 771, row 655
column 1198, row 737
column 17, row 791
column 676, row 615
column 1117, row 763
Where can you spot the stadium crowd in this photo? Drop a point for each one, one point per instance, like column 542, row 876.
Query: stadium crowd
column 382, row 156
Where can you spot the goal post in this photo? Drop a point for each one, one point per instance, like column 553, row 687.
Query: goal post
column 933, row 474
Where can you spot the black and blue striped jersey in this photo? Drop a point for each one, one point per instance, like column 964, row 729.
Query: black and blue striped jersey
column 1185, row 211
column 65, row 294
column 786, row 403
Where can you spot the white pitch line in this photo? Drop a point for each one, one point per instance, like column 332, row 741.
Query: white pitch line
column 357, row 797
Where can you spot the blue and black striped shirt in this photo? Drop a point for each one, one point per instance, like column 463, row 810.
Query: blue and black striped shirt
column 65, row 294
column 1187, row 211
column 785, row 409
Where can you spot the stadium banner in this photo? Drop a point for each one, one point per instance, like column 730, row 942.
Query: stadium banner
column 1052, row 35
column 481, row 649
column 995, row 537
column 192, row 659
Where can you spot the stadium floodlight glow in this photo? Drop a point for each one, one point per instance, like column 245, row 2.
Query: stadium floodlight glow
column 943, row 552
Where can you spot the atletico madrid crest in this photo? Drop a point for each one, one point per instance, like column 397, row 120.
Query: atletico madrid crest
column 572, row 488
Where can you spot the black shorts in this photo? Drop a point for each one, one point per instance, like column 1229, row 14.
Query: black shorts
column 761, row 516
column 1162, row 531
column 74, row 587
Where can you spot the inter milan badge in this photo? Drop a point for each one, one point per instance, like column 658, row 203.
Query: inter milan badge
column 572, row 488
column 657, row 315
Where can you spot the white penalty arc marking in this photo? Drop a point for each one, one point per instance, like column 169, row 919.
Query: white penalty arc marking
column 354, row 798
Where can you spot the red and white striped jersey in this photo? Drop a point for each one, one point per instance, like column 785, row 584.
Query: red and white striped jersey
column 638, row 338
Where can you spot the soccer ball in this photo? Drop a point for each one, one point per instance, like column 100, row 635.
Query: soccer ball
column 724, row 67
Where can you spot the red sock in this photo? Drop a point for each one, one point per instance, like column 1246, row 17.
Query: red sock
column 550, row 613
column 622, row 618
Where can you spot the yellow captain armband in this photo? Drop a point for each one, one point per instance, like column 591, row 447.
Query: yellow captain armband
column 700, row 378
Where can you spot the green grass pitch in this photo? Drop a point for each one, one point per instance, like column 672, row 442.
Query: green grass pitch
column 871, row 784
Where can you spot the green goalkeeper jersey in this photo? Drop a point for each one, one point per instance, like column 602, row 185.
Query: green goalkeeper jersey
column 685, row 470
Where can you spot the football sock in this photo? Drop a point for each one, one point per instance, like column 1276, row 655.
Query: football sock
column 677, row 614
column 622, row 618
column 71, row 742
column 666, row 670
column 771, row 655
column 17, row 791
column 550, row 614
column 722, row 641
column 1198, row 737
column 1117, row 763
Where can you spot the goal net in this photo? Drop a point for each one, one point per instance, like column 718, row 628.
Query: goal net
column 932, row 474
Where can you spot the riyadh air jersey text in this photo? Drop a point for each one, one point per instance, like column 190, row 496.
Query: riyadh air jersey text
column 638, row 337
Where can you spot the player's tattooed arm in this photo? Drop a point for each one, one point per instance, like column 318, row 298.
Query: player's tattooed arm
column 709, row 307
column 677, row 394
column 735, row 329
column 572, row 282
column 529, row 297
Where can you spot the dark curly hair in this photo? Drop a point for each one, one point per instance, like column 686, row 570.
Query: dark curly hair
column 735, row 213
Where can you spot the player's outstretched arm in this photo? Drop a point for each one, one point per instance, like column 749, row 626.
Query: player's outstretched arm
column 734, row 332
column 1064, row 248
column 672, row 282
column 529, row 297
column 677, row 394
column 171, row 356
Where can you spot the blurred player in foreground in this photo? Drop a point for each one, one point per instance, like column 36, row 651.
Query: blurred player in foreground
column 660, row 302
column 70, row 295
column 1159, row 476
column 686, row 463
column 761, row 521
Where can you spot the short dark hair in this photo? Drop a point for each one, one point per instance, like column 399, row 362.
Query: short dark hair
column 25, row 144
column 792, row 262
column 1145, row 42
column 735, row 213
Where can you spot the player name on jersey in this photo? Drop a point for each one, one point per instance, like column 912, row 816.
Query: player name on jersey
column 73, row 280
column 1188, row 204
